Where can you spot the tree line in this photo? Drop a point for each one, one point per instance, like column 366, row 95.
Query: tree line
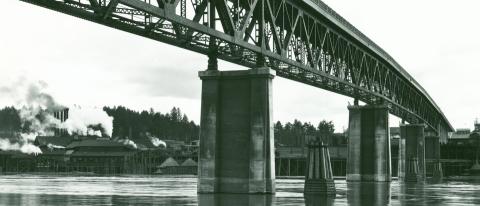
column 297, row 134
column 175, row 125
column 10, row 120
column 170, row 126
column 126, row 123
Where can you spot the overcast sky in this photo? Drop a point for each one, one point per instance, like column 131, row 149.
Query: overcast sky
column 87, row 64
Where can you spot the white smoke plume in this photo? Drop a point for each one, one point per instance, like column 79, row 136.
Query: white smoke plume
column 24, row 147
column 127, row 142
column 81, row 120
column 34, row 104
column 156, row 141
column 52, row 146
column 36, row 108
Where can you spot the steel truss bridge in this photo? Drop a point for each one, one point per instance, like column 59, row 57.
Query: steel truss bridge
column 303, row 40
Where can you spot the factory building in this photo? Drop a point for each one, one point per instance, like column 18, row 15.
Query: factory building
column 86, row 155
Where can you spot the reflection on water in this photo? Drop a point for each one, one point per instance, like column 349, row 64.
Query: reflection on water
column 412, row 193
column 317, row 200
column 234, row 199
column 32, row 199
column 368, row 193
column 161, row 190
column 260, row 200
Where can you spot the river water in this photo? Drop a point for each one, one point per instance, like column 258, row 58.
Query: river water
column 176, row 190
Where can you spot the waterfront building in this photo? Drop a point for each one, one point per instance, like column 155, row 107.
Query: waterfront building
column 100, row 156
column 459, row 153
column 69, row 154
column 291, row 160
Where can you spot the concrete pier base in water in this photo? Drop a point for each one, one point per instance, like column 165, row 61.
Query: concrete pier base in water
column 437, row 175
column 369, row 155
column 411, row 157
column 411, row 171
column 236, row 132
column 432, row 157
column 319, row 177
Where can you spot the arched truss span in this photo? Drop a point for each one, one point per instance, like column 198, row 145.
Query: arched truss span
column 303, row 40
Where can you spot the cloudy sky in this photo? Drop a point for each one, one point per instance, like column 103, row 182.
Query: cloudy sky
column 91, row 65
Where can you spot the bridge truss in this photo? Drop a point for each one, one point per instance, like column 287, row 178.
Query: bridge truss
column 303, row 40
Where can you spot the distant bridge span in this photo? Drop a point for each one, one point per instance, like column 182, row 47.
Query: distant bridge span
column 303, row 40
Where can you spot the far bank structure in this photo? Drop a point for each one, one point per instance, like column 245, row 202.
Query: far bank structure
column 71, row 154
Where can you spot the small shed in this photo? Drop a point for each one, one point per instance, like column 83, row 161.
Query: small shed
column 169, row 162
column 169, row 166
column 189, row 166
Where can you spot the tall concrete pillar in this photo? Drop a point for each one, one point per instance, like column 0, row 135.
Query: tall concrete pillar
column 432, row 157
column 411, row 157
column 319, row 177
column 369, row 155
column 236, row 132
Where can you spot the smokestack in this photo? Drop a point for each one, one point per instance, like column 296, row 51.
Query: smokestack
column 87, row 121
column 62, row 116
column 66, row 113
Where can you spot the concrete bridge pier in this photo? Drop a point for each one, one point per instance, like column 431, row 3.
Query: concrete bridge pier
column 319, row 177
column 432, row 156
column 437, row 171
column 236, row 132
column 369, row 155
column 411, row 173
column 411, row 157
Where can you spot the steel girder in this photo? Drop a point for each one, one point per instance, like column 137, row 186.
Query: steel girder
column 303, row 40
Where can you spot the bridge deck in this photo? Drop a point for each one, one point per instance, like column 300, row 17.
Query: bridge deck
column 305, row 41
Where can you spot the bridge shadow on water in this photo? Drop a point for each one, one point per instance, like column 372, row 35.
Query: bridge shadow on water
column 317, row 200
column 259, row 200
column 417, row 194
column 357, row 193
column 368, row 193
column 235, row 199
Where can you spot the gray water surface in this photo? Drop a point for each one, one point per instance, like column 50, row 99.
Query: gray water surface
column 177, row 190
